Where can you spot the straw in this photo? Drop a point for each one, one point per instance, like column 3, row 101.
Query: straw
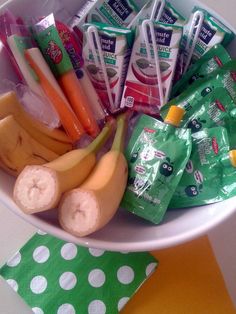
column 145, row 25
column 161, row 5
column 93, row 36
column 198, row 17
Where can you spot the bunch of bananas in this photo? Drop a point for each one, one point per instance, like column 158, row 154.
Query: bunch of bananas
column 51, row 174
column 24, row 140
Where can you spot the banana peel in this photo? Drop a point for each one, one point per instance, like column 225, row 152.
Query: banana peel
column 18, row 148
column 54, row 139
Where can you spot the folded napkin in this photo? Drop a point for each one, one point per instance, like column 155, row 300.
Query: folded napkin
column 56, row 277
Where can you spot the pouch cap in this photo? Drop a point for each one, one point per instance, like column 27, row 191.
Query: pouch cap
column 174, row 115
column 232, row 156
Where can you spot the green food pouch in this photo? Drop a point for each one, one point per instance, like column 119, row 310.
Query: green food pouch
column 216, row 109
column 216, row 57
column 157, row 154
column 195, row 94
column 210, row 173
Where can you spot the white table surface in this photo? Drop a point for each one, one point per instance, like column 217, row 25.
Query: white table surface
column 14, row 232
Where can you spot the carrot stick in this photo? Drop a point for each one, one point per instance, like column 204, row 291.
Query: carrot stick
column 51, row 88
column 78, row 101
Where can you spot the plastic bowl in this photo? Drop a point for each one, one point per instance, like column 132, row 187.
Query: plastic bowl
column 125, row 232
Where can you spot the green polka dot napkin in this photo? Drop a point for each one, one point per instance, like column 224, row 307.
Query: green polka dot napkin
column 56, row 277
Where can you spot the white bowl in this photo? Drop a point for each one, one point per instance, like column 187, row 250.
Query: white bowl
column 125, row 232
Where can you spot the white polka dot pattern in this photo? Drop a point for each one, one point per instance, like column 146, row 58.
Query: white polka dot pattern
column 38, row 284
column 125, row 275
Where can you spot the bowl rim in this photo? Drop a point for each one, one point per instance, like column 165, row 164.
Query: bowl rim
column 149, row 245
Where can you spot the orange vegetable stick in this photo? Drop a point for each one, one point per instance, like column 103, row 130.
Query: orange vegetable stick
column 78, row 101
column 51, row 88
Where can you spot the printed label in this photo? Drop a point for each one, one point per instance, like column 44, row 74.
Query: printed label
column 204, row 148
column 167, row 17
column 206, row 33
column 53, row 50
column 108, row 43
column 163, row 36
column 121, row 8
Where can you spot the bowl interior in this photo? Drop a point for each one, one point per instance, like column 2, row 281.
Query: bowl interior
column 125, row 232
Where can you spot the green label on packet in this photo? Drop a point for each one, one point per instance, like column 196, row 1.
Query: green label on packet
column 209, row 176
column 196, row 93
column 213, row 59
column 53, row 51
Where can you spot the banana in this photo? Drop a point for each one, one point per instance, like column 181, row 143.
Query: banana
column 18, row 148
column 92, row 205
column 39, row 188
column 54, row 139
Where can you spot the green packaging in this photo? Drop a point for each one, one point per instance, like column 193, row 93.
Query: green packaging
column 210, row 173
column 157, row 154
column 195, row 94
column 51, row 46
column 215, row 109
column 216, row 57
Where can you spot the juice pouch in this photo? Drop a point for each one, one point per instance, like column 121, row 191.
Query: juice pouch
column 195, row 94
column 215, row 109
column 157, row 154
column 106, row 58
column 216, row 57
column 212, row 32
column 210, row 173
column 151, row 10
column 171, row 16
column 113, row 12
column 142, row 88
column 161, row 11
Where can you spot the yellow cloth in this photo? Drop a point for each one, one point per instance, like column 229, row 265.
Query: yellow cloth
column 187, row 281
